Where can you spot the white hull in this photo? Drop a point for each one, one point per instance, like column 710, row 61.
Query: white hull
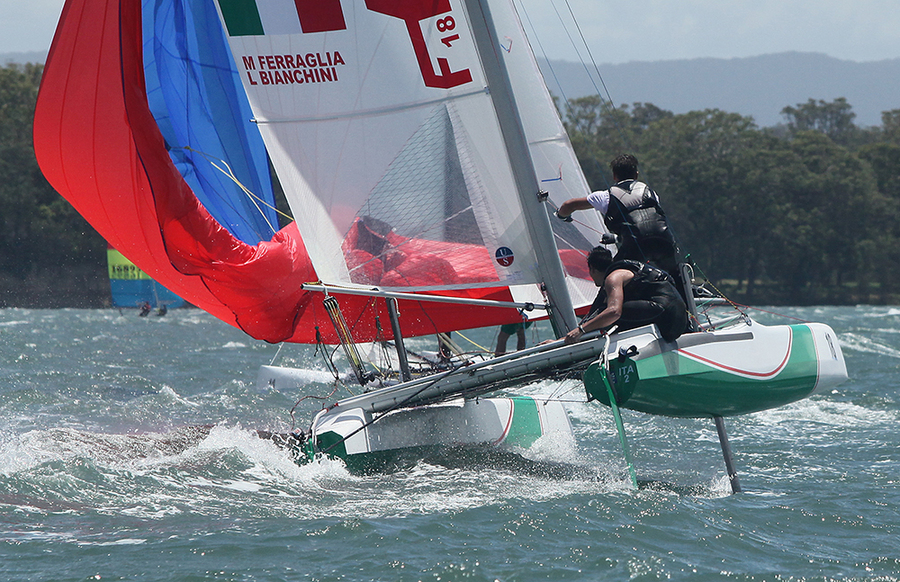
column 742, row 368
column 507, row 422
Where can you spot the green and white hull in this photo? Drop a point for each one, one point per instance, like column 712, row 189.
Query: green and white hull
column 352, row 435
column 746, row 368
column 445, row 409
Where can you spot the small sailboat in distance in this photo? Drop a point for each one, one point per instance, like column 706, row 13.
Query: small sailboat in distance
column 422, row 156
column 131, row 287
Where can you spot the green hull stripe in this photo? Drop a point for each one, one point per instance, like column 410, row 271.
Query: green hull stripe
column 525, row 428
column 672, row 384
column 241, row 17
column 526, row 422
column 327, row 440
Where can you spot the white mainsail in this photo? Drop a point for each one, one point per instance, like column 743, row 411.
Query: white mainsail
column 556, row 165
column 380, row 123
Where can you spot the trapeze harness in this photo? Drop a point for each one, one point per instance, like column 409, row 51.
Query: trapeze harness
column 650, row 297
column 634, row 214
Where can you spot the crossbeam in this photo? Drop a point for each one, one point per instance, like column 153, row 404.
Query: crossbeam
column 526, row 306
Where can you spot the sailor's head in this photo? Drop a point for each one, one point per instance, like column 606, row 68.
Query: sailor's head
column 624, row 167
column 599, row 260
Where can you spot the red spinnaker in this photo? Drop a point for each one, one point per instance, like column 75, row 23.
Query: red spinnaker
column 98, row 145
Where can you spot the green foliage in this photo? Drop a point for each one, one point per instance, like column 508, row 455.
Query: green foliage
column 38, row 229
column 806, row 215
column 834, row 119
column 890, row 123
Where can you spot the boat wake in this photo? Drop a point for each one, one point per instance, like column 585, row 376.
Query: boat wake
column 34, row 448
column 828, row 414
column 865, row 344
column 232, row 471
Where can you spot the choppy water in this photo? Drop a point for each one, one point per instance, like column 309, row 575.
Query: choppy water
column 102, row 476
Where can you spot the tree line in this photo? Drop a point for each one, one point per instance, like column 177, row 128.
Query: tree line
column 49, row 255
column 805, row 212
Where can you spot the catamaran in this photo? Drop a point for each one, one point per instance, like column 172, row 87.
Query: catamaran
column 422, row 157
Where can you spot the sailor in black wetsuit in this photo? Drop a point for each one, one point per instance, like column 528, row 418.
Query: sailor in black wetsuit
column 632, row 294
column 632, row 212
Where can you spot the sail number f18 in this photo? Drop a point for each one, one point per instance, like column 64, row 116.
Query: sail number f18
column 276, row 17
column 412, row 12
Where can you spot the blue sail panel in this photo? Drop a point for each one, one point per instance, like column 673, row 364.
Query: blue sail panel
column 196, row 97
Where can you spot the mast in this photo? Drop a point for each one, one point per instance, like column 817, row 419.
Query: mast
column 562, row 313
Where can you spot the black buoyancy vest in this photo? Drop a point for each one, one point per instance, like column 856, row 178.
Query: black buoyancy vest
column 634, row 212
column 648, row 282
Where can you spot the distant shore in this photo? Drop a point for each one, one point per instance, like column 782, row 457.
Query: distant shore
column 87, row 287
column 81, row 287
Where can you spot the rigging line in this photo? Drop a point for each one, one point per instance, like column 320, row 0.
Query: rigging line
column 396, row 406
column 482, row 348
column 302, row 398
column 608, row 103
column 434, row 325
column 229, row 203
column 329, row 359
column 544, row 54
column 576, row 221
column 257, row 200
column 445, row 341
column 575, row 47
column 382, row 342
column 572, row 247
column 428, row 315
column 702, row 274
column 275, row 357
column 230, row 173
column 329, row 362
column 739, row 307
column 369, row 304
column 590, row 55
column 558, row 393
column 770, row 312
column 344, row 333
column 374, row 306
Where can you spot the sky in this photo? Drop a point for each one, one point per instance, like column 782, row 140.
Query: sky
column 633, row 30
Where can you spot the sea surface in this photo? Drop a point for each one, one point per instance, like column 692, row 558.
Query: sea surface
column 129, row 451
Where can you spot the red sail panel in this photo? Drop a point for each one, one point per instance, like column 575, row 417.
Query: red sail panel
column 98, row 145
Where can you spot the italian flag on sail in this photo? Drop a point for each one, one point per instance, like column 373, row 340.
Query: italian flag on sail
column 264, row 17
